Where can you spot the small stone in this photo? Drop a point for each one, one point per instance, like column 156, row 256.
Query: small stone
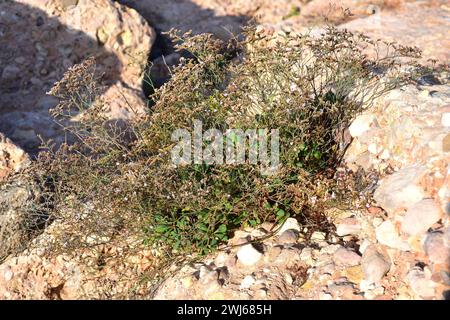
column 307, row 256
column 423, row 287
column 11, row 72
column 445, row 120
column 435, row 248
column 261, row 293
column 288, row 278
column 247, row 282
column 366, row 285
column 8, row 274
column 373, row 148
column 248, row 255
column 353, row 274
column 346, row 257
column 420, row 217
column 290, row 223
column 325, row 296
column 330, row 249
column 387, row 234
column 348, row 226
column 385, row 154
column 446, row 143
column 65, row 4
column 273, row 252
column 318, row 236
column 360, row 125
column 288, row 236
column 374, row 264
column 400, row 190
column 374, row 293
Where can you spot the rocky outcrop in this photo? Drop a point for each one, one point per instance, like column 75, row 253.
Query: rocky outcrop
column 101, row 272
column 42, row 39
column 12, row 158
column 397, row 248
column 419, row 23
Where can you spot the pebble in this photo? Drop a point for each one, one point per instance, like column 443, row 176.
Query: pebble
column 325, row 296
column 290, row 223
column 420, row 217
column 366, row 285
column 387, row 235
column 348, row 226
column 423, row 287
column 247, row 282
column 346, row 257
column 11, row 72
column 435, row 248
column 273, row 253
column 400, row 190
column 288, row 236
column 364, row 245
column 318, row 236
column 372, row 294
column 8, row 274
column 248, row 255
column 445, row 120
column 307, row 256
column 375, row 266
column 360, row 125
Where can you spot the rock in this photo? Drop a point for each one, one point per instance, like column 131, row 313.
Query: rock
column 318, row 236
column 307, row 256
column 364, row 245
column 325, row 296
column 8, row 274
column 348, row 226
column 208, row 276
column 445, row 120
column 12, row 158
column 346, row 257
column 372, row 294
column 248, row 255
column 375, row 265
column 422, row 287
column 387, row 234
column 400, row 190
column 361, row 124
column 288, row 236
column 416, row 24
column 52, row 36
column 247, row 282
column 290, row 223
column 19, row 213
column 420, row 217
column 436, row 248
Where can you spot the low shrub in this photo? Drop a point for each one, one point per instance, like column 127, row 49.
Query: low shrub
column 117, row 181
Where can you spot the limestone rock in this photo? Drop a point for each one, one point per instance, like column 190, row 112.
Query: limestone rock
column 346, row 257
column 46, row 37
column 387, row 234
column 420, row 217
column 348, row 226
column 400, row 190
column 374, row 265
column 437, row 248
column 248, row 255
column 12, row 158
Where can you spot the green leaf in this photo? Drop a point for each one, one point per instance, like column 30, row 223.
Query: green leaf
column 221, row 229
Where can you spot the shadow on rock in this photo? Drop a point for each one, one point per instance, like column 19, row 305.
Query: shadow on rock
column 40, row 44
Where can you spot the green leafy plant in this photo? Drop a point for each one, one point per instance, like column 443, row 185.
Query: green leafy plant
column 119, row 181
